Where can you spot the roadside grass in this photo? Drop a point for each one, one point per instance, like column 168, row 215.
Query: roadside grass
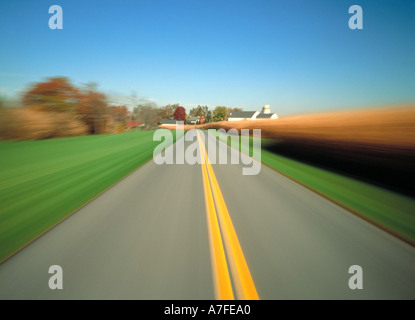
column 43, row 182
column 389, row 210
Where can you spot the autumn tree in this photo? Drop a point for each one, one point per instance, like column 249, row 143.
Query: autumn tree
column 55, row 94
column 205, row 110
column 146, row 113
column 199, row 111
column 28, row 124
column 120, row 114
column 94, row 111
column 180, row 114
column 193, row 112
column 167, row 111
column 208, row 116
column 220, row 113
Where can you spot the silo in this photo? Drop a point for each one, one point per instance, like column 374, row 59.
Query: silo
column 266, row 109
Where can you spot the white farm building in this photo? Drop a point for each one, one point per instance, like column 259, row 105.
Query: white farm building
column 253, row 115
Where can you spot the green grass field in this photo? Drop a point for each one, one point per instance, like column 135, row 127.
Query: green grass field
column 392, row 211
column 42, row 182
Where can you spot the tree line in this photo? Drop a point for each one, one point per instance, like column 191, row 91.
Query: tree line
column 56, row 108
column 151, row 115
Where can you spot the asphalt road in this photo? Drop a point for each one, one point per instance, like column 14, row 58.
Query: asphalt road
column 148, row 238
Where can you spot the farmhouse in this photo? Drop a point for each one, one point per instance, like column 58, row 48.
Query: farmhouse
column 263, row 116
column 253, row 115
column 242, row 115
column 193, row 120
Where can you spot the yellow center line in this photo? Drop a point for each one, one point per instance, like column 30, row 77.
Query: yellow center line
column 244, row 285
column 221, row 279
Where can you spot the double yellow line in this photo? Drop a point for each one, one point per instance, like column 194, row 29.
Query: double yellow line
column 219, row 220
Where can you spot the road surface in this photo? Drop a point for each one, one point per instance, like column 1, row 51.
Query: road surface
column 150, row 237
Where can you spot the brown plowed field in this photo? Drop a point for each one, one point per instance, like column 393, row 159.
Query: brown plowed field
column 373, row 144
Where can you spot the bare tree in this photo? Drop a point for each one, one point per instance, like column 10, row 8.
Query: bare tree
column 146, row 113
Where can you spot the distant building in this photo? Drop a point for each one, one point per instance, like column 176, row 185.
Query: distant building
column 253, row 115
column 167, row 122
column 263, row 116
column 266, row 109
column 134, row 124
column 193, row 120
column 242, row 115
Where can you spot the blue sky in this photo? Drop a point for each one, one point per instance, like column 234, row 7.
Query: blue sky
column 297, row 56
